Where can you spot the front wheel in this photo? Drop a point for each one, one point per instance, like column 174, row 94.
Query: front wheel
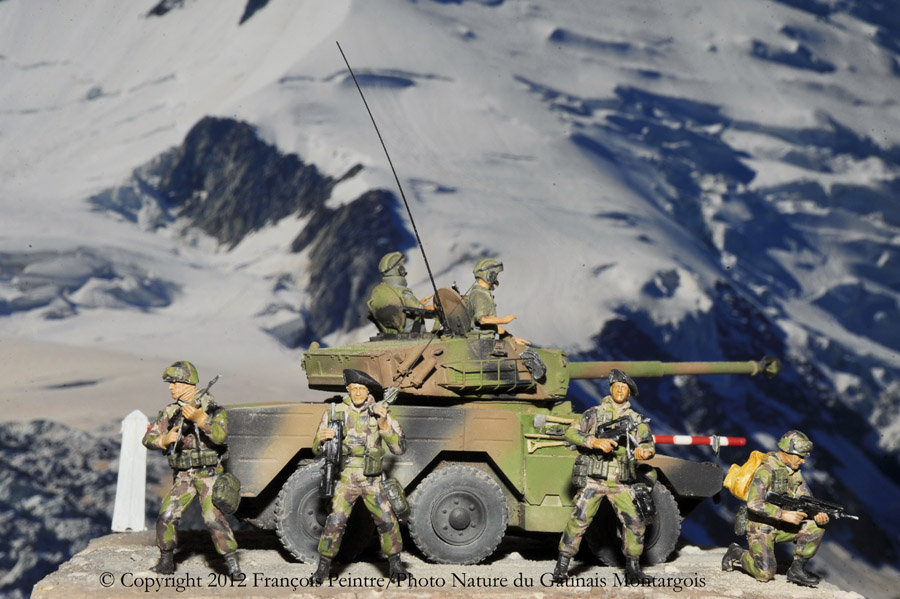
column 604, row 537
column 458, row 515
column 300, row 514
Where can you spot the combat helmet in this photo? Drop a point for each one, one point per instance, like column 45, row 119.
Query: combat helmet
column 796, row 443
column 487, row 269
column 391, row 264
column 181, row 372
column 619, row 376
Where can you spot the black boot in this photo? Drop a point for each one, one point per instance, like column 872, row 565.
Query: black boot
column 234, row 569
column 166, row 563
column 562, row 568
column 322, row 571
column 633, row 573
column 397, row 570
column 732, row 557
column 798, row 574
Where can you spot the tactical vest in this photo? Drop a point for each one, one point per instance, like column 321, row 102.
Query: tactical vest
column 197, row 457
column 358, row 454
column 602, row 466
column 781, row 481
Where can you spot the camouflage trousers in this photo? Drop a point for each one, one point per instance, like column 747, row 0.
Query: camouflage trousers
column 188, row 484
column 587, row 502
column 759, row 561
column 351, row 486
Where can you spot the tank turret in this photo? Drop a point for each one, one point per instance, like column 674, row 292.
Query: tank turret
column 478, row 365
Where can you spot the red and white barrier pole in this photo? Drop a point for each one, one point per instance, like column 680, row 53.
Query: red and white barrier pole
column 691, row 440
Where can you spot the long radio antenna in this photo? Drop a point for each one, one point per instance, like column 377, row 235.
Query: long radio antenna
column 437, row 298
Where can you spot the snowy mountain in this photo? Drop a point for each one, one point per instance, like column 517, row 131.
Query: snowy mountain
column 671, row 181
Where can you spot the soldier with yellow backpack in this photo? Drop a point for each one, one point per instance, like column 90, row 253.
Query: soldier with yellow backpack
column 768, row 478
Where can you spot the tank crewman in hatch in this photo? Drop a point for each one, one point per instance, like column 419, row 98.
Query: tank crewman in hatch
column 480, row 300
column 367, row 426
column 199, row 428
column 393, row 307
column 608, row 471
column 769, row 524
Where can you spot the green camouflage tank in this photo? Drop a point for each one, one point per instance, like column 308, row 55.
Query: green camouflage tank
column 484, row 419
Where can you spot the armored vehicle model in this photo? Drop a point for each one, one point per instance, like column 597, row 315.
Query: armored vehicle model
column 483, row 418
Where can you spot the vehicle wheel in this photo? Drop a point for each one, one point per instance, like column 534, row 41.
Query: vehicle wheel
column 300, row 514
column 604, row 537
column 458, row 515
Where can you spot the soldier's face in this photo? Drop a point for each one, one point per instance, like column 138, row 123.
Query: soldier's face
column 792, row 460
column 358, row 393
column 619, row 392
column 182, row 391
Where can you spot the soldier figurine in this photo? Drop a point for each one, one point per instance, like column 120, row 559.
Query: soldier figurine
column 366, row 426
column 608, row 471
column 769, row 524
column 480, row 300
column 393, row 307
column 192, row 431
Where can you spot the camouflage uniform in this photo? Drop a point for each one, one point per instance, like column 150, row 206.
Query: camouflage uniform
column 480, row 302
column 765, row 527
column 386, row 305
column 362, row 436
column 588, row 499
column 188, row 483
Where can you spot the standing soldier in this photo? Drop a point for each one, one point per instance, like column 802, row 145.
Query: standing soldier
column 769, row 524
column 192, row 431
column 366, row 426
column 393, row 307
column 609, row 471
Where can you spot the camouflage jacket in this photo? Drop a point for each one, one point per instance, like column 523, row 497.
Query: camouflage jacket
column 773, row 475
column 361, row 432
column 213, row 430
column 392, row 292
column 480, row 302
column 581, row 433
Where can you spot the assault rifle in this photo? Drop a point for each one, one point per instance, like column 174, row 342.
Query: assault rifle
column 333, row 450
column 621, row 427
column 809, row 505
column 418, row 312
column 389, row 397
column 194, row 402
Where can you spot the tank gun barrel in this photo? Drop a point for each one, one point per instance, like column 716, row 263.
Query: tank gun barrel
column 597, row 370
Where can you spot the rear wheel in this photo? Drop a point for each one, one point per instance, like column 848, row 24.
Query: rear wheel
column 458, row 515
column 604, row 537
column 300, row 514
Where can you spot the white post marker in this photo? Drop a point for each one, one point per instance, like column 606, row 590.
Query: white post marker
column 128, row 514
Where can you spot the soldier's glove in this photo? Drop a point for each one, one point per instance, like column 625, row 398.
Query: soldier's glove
column 194, row 414
column 641, row 453
column 793, row 517
column 167, row 438
column 604, row 445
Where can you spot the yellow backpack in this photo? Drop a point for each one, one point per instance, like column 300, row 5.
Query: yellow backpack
column 738, row 478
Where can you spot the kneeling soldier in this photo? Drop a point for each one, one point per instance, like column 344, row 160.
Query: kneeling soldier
column 769, row 524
